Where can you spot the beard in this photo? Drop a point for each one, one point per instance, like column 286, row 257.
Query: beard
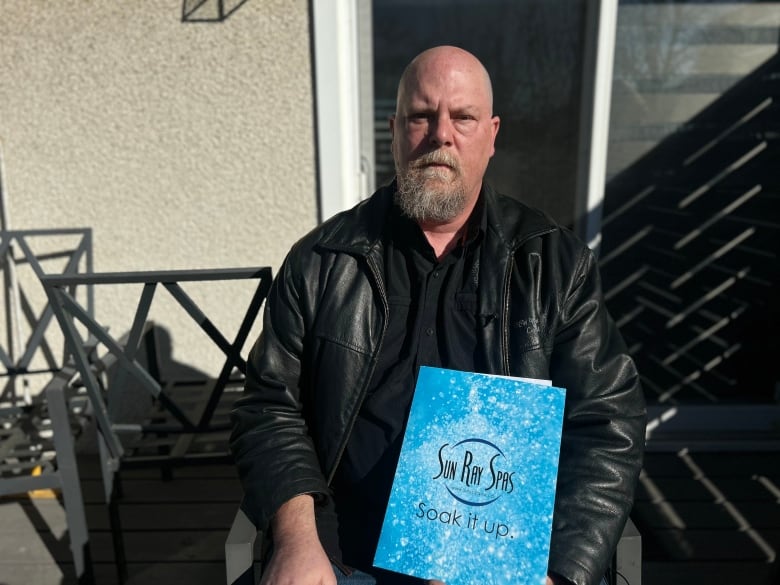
column 431, row 194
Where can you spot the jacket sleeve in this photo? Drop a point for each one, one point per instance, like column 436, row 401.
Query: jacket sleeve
column 270, row 442
column 603, row 432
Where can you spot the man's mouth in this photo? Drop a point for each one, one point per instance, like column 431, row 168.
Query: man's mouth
column 436, row 170
column 435, row 165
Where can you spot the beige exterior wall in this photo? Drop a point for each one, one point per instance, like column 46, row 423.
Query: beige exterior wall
column 182, row 145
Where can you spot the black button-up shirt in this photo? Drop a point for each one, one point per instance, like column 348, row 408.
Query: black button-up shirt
column 433, row 321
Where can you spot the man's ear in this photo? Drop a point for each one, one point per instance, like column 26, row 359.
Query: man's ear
column 495, row 123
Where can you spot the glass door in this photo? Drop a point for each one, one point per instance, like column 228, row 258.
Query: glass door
column 533, row 50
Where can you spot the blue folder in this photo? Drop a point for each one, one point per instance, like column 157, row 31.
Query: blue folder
column 473, row 494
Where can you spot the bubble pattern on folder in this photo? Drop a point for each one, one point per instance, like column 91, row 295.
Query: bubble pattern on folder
column 473, row 494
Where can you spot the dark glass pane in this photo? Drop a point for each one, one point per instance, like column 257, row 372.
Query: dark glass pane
column 533, row 50
column 691, row 231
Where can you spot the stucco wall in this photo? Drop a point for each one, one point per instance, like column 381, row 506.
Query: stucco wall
column 182, row 145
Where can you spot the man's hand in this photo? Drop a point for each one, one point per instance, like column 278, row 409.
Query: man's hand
column 298, row 557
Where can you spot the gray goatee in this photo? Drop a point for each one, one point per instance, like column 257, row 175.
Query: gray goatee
column 430, row 194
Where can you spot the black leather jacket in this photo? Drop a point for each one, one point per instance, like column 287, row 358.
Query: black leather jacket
column 540, row 302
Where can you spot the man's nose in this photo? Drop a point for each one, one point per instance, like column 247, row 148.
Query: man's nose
column 441, row 131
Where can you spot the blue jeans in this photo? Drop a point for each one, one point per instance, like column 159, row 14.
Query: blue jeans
column 361, row 578
column 356, row 578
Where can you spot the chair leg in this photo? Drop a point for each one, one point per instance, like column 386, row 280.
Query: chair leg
column 67, row 469
column 117, row 537
column 112, row 486
column 88, row 576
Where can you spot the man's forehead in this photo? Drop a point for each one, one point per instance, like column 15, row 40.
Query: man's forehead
column 419, row 98
column 454, row 96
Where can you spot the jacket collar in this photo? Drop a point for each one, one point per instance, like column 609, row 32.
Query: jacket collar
column 359, row 230
column 512, row 221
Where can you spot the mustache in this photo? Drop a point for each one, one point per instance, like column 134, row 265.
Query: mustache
column 435, row 157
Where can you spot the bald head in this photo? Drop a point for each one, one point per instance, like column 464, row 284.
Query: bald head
column 438, row 60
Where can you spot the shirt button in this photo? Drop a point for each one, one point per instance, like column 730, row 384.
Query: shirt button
column 429, row 331
column 436, row 274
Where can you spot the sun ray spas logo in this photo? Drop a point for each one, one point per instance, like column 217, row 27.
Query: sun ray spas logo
column 474, row 471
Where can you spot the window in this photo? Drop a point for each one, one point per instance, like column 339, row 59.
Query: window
column 691, row 218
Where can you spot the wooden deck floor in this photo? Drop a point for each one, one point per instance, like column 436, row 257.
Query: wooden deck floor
column 174, row 530
column 709, row 518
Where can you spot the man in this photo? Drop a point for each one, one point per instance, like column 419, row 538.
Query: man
column 435, row 269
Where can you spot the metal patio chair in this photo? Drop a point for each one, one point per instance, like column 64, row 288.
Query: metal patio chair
column 36, row 424
column 186, row 420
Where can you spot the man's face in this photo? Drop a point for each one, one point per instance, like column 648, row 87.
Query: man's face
column 443, row 137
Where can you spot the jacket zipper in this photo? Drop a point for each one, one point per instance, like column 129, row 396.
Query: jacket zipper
column 348, row 431
column 505, row 316
column 507, row 286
